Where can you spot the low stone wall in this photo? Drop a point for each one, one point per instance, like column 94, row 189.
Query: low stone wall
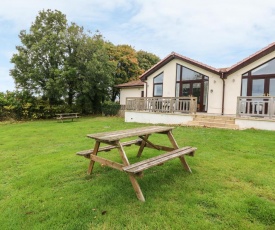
column 183, row 119
column 158, row 118
column 255, row 123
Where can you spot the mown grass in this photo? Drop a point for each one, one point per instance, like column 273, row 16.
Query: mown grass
column 44, row 184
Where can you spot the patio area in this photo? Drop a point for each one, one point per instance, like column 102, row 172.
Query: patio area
column 251, row 112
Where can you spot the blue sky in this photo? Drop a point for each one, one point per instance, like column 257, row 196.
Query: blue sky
column 218, row 33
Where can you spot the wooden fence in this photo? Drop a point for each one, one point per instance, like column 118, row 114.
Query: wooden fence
column 256, row 106
column 162, row 104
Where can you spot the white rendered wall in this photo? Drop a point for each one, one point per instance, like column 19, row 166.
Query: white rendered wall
column 255, row 124
column 157, row 118
column 234, row 81
column 169, row 84
column 129, row 92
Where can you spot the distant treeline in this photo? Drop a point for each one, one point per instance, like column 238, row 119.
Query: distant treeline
column 61, row 68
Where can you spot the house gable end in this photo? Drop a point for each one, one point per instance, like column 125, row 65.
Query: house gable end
column 173, row 56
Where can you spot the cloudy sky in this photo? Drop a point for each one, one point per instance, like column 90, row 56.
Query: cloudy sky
column 216, row 32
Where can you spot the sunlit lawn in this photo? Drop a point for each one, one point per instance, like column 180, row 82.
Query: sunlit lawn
column 44, row 185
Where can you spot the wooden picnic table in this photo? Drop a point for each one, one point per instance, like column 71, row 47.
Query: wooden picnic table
column 113, row 139
column 63, row 116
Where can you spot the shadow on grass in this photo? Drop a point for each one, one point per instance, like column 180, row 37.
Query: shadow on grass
column 112, row 186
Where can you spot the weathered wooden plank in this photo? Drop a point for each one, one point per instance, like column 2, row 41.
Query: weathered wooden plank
column 184, row 163
column 118, row 135
column 172, row 140
column 159, row 147
column 142, row 145
column 92, row 162
column 109, row 163
column 86, row 153
column 142, row 165
column 148, row 142
column 67, row 117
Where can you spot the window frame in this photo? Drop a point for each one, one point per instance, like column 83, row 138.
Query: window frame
column 158, row 84
column 250, row 77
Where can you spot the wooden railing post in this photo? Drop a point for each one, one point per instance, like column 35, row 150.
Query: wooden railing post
column 162, row 104
column 271, row 107
column 238, row 107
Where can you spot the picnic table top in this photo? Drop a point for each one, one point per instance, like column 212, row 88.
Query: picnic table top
column 61, row 114
column 120, row 134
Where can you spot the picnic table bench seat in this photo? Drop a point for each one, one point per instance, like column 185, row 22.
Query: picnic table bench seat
column 148, row 163
column 87, row 153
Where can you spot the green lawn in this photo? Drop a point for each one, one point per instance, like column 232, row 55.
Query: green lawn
column 44, row 185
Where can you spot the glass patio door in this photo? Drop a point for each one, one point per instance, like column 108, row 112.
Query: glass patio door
column 192, row 83
column 258, row 87
column 272, row 87
column 194, row 89
column 262, row 87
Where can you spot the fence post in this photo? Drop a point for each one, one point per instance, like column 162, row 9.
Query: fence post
column 238, row 107
column 126, row 104
column 193, row 105
column 271, row 107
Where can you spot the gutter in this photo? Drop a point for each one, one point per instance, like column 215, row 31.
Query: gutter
column 223, row 77
column 146, row 86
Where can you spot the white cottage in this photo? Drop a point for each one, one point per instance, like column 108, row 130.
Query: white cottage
column 246, row 89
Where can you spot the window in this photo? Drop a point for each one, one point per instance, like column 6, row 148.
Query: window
column 158, row 85
column 244, row 87
column 192, row 83
column 259, row 81
column 188, row 74
column 267, row 68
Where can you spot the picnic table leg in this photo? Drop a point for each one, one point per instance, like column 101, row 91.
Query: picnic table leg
column 172, row 140
column 184, row 163
column 92, row 162
column 136, row 187
column 175, row 145
column 142, row 145
column 133, row 180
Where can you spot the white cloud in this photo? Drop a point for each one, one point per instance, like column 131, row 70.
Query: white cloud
column 210, row 27
column 22, row 13
column 218, row 33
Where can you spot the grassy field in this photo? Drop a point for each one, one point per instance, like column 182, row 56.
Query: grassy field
column 44, row 185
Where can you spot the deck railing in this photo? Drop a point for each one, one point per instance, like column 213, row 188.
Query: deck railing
column 162, row 104
column 256, row 106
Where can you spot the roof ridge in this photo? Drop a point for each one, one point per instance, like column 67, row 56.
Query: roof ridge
column 262, row 52
column 251, row 56
column 156, row 64
column 198, row 62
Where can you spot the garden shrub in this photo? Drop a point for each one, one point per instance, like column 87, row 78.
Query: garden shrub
column 110, row 108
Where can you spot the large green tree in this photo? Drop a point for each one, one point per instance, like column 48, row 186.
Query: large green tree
column 39, row 62
column 64, row 65
column 71, row 70
column 146, row 60
column 127, row 68
column 95, row 73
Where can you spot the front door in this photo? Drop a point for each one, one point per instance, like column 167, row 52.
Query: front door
column 192, row 83
column 194, row 89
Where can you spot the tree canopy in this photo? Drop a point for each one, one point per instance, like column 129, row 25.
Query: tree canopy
column 64, row 65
